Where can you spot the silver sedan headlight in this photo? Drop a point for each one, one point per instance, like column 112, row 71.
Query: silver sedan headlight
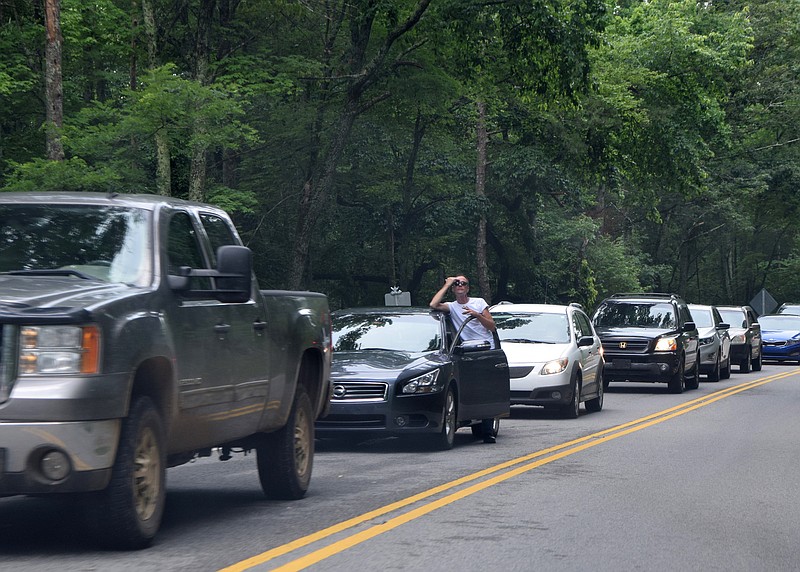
column 427, row 383
column 738, row 339
column 706, row 341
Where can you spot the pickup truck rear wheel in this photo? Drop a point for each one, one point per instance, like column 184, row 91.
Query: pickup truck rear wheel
column 285, row 457
column 127, row 514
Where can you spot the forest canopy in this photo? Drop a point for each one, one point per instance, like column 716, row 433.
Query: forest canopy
column 552, row 150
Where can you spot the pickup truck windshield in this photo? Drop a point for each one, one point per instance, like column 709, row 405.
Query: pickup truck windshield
column 85, row 241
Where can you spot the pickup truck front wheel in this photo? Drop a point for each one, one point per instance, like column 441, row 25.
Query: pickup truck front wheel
column 127, row 514
column 285, row 457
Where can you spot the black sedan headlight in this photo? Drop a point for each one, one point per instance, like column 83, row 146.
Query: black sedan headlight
column 426, row 383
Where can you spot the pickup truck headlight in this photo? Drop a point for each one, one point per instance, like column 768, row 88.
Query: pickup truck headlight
column 427, row 383
column 666, row 345
column 554, row 366
column 48, row 350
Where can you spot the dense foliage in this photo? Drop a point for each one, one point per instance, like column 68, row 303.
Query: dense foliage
column 632, row 145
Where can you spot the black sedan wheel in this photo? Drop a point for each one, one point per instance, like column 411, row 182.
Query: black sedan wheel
column 447, row 436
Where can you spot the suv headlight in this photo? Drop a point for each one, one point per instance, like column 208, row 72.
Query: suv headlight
column 427, row 383
column 554, row 366
column 59, row 350
column 666, row 345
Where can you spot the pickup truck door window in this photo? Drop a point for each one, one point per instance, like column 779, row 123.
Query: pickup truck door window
column 200, row 328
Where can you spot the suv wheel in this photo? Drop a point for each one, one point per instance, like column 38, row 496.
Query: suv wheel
column 573, row 409
column 693, row 382
column 677, row 382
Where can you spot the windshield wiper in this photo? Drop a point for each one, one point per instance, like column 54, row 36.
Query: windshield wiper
column 525, row 341
column 52, row 272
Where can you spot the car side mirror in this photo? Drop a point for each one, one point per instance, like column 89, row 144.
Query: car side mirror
column 584, row 341
column 689, row 326
column 469, row 346
column 723, row 326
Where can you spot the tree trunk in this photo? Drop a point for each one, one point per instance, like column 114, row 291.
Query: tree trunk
column 197, row 174
column 54, row 88
column 163, row 167
column 319, row 183
column 480, row 190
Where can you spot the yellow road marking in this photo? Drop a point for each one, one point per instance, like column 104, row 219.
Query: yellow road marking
column 544, row 457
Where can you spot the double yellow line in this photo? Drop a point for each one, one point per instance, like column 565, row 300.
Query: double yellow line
column 501, row 472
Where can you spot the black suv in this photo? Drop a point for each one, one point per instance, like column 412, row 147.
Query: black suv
column 649, row 337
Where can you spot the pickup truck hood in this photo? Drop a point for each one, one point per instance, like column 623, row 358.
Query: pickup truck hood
column 27, row 295
column 632, row 332
column 378, row 365
column 518, row 353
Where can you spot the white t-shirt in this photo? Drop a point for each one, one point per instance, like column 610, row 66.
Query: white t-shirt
column 474, row 330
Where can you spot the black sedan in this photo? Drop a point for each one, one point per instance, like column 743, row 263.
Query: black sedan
column 403, row 371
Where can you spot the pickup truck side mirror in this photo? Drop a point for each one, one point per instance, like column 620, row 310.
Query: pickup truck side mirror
column 233, row 276
column 235, row 268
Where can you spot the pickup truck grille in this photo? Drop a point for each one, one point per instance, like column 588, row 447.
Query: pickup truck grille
column 359, row 391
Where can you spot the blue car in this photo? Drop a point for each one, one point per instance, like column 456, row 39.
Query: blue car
column 781, row 337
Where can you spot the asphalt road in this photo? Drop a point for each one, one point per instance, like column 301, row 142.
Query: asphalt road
column 706, row 480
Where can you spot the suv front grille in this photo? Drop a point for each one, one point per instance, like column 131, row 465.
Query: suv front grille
column 630, row 346
column 359, row 391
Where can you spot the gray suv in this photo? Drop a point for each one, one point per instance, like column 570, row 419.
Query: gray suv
column 649, row 337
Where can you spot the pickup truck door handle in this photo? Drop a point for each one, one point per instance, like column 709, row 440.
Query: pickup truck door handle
column 259, row 326
column 501, row 365
column 222, row 328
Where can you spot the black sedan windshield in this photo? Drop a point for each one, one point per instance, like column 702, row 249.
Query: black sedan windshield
column 109, row 244
column 407, row 333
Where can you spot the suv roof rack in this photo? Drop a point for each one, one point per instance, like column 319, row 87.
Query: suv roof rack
column 645, row 295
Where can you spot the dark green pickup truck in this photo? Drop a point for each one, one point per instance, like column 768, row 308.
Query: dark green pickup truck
column 134, row 337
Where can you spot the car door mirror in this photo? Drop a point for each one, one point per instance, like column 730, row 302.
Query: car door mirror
column 468, row 346
column 689, row 326
column 584, row 341
column 723, row 326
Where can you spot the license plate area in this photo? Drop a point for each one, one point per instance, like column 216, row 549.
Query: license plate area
column 622, row 364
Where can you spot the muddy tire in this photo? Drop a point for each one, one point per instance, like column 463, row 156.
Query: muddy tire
column 285, row 457
column 127, row 514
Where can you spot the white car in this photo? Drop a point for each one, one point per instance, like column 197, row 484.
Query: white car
column 715, row 342
column 555, row 357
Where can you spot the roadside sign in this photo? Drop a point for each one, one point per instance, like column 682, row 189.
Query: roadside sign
column 763, row 302
column 397, row 297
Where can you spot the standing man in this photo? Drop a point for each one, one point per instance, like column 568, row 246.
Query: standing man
column 480, row 328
